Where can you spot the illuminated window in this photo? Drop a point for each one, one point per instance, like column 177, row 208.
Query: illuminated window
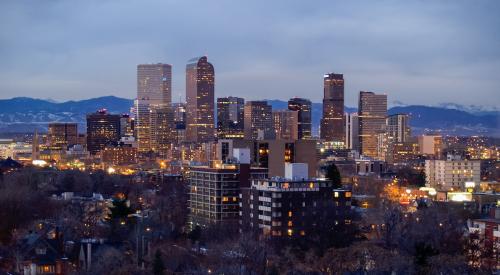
column 311, row 185
column 225, row 199
column 348, row 194
column 286, row 185
column 290, row 223
column 289, row 213
column 302, row 233
column 336, row 194
column 290, row 232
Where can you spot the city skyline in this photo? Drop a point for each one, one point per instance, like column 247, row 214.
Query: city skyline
column 79, row 60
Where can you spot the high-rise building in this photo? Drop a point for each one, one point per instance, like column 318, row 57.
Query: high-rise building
column 62, row 135
column 230, row 117
column 452, row 174
column 332, row 124
column 127, row 126
column 398, row 128
column 180, row 122
column 214, row 192
column 162, row 129
column 200, row 84
column 286, row 124
column 154, row 89
column 291, row 206
column 351, row 131
column 304, row 108
column 102, row 129
column 258, row 120
column 372, row 113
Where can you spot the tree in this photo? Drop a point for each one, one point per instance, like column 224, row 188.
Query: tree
column 120, row 208
column 333, row 174
column 20, row 205
column 158, row 265
column 420, row 179
column 333, row 226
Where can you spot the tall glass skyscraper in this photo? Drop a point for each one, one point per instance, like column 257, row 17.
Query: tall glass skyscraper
column 332, row 123
column 154, row 90
column 200, row 97
column 304, row 108
column 230, row 117
column 372, row 113
column 259, row 122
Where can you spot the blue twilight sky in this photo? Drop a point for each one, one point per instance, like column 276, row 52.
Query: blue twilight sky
column 419, row 52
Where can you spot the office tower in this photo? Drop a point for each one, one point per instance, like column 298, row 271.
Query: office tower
column 351, row 131
column 372, row 113
column 154, row 89
column 296, row 202
column 286, row 124
column 398, row 128
column 258, row 120
column 162, row 129
column 62, row 135
column 200, row 83
column 180, row 122
column 179, row 112
column 304, row 108
column 230, row 117
column 127, row 126
column 332, row 124
column 214, row 192
column 102, row 129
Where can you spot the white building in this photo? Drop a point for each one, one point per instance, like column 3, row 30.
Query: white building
column 351, row 131
column 452, row 173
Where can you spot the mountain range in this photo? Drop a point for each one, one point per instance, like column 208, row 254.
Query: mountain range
column 23, row 114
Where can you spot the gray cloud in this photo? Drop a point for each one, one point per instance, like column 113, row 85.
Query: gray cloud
column 421, row 52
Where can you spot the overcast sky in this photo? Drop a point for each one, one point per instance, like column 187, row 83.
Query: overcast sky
column 418, row 52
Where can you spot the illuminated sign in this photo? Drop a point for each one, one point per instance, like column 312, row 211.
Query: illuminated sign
column 459, row 196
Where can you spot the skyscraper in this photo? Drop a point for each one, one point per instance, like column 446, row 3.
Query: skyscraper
column 162, row 129
column 303, row 107
column 286, row 124
column 154, row 89
column 230, row 117
column 372, row 113
column 102, row 129
column 332, row 124
column 62, row 135
column 398, row 128
column 258, row 120
column 351, row 131
column 127, row 124
column 200, row 83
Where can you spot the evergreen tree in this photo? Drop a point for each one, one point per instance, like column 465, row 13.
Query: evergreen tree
column 158, row 265
column 420, row 179
column 333, row 174
column 120, row 209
